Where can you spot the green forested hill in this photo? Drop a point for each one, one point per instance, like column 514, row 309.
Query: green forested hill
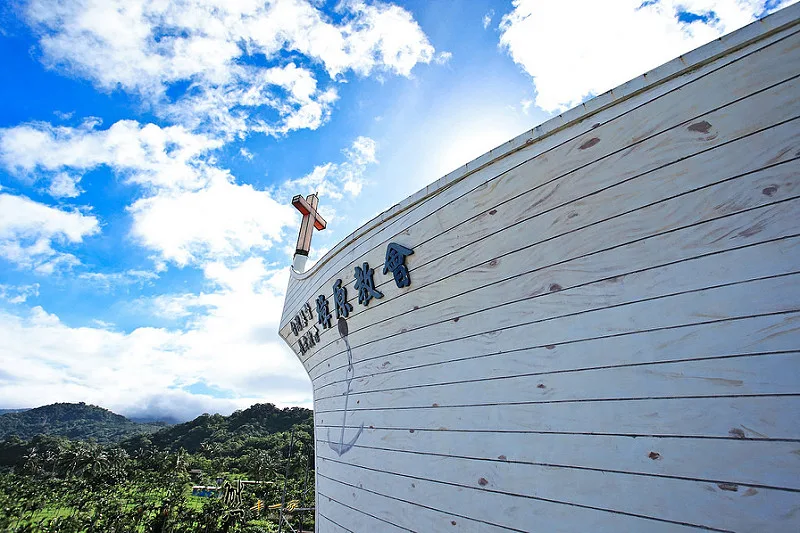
column 142, row 483
column 77, row 421
column 255, row 422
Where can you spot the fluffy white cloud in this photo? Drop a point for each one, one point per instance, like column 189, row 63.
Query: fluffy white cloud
column 221, row 220
column 18, row 294
column 574, row 49
column 63, row 185
column 146, row 47
column 230, row 345
column 147, row 155
column 29, row 231
column 108, row 280
column 193, row 211
column 335, row 179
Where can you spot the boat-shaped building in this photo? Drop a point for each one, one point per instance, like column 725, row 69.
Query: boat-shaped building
column 593, row 327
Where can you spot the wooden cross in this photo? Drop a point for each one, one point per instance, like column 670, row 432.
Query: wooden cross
column 311, row 219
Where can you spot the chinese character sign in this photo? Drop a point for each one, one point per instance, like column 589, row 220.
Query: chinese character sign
column 364, row 277
column 396, row 263
column 323, row 314
column 340, row 299
column 365, row 285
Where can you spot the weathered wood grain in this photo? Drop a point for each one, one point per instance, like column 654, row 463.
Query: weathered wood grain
column 603, row 326
column 771, row 295
column 758, row 463
column 475, row 320
column 602, row 230
column 356, row 517
column 515, row 513
column 417, row 516
column 326, row 525
column 738, row 157
column 768, row 259
column 772, row 65
column 742, row 509
column 747, row 375
column 733, row 335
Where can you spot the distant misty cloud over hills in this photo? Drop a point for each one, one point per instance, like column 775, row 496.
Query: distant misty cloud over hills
column 148, row 151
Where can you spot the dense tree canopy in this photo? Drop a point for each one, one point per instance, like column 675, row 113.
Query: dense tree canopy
column 143, row 483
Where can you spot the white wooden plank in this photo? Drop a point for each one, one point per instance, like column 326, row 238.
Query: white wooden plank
column 733, row 196
column 517, row 331
column 697, row 63
column 662, row 108
column 751, row 335
column 749, row 375
column 769, row 147
column 356, row 519
column 420, row 517
column 738, row 157
column 326, row 525
column 598, row 347
column 514, row 513
column 767, row 259
column 698, row 503
column 770, row 417
column 773, row 464
column 755, row 72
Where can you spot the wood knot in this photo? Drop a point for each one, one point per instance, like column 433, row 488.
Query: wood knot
column 736, row 432
column 654, row 455
column 700, row 127
column 551, row 346
column 493, row 211
column 502, row 457
column 372, row 427
column 493, row 263
column 411, row 431
column 415, row 308
column 453, row 522
column 541, row 386
column 769, row 191
column 456, row 319
column 595, row 125
column 435, row 405
column 483, row 482
column 555, row 287
column 728, row 486
column 588, row 144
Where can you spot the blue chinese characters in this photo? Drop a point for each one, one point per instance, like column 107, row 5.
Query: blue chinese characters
column 396, row 262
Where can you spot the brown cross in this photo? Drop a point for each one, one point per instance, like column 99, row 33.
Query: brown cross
column 311, row 219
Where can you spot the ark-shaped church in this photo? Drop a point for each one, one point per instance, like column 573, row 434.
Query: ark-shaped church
column 593, row 327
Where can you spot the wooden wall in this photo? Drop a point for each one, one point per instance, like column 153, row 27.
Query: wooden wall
column 602, row 332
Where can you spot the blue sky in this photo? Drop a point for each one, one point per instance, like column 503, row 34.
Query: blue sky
column 148, row 153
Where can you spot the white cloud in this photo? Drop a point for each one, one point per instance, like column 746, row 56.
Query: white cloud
column 574, row 49
column 487, row 19
column 18, row 294
column 230, row 344
column 247, row 154
column 193, row 211
column 145, row 47
column 63, row 185
column 221, row 220
column 107, row 280
column 144, row 154
column 29, row 231
column 335, row 179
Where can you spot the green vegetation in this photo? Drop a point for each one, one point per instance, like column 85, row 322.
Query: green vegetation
column 72, row 420
column 143, row 483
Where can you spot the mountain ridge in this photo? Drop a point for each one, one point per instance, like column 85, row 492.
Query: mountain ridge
column 79, row 421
